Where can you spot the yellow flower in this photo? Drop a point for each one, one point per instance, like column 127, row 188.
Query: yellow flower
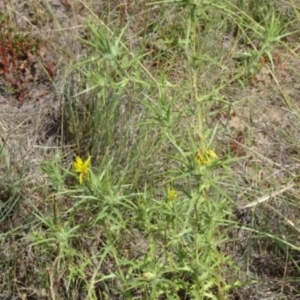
column 206, row 157
column 148, row 276
column 82, row 168
column 171, row 194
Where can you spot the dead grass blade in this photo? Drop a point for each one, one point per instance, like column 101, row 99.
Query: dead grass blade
column 266, row 197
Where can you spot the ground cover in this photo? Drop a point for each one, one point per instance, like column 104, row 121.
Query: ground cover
column 149, row 150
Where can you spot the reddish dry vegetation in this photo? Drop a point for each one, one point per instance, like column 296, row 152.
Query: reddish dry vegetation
column 20, row 53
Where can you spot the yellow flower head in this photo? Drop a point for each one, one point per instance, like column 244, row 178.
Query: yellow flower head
column 82, row 168
column 148, row 275
column 206, row 157
column 171, row 194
